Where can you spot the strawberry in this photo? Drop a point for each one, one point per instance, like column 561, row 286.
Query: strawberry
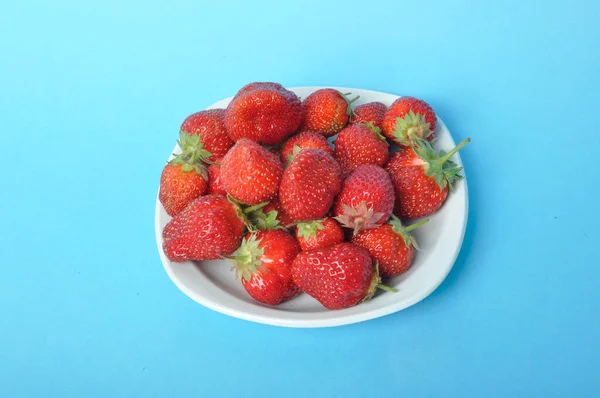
column 264, row 112
column 310, row 184
column 408, row 120
column 326, row 111
column 179, row 185
column 338, row 276
column 391, row 245
column 357, row 145
column 263, row 262
column 366, row 200
column 280, row 214
column 370, row 112
column 421, row 178
column 207, row 229
column 209, row 125
column 215, row 186
column 303, row 140
column 250, row 173
column 317, row 234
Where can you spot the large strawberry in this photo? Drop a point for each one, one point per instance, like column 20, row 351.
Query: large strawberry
column 338, row 276
column 421, row 178
column 209, row 125
column 371, row 112
column 326, row 111
column 391, row 245
column 250, row 173
column 263, row 263
column 264, row 112
column 317, row 234
column 214, row 180
column 409, row 120
column 310, row 184
column 357, row 145
column 207, row 229
column 303, row 140
column 366, row 200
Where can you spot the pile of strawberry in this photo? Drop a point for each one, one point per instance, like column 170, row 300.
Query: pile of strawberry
column 260, row 184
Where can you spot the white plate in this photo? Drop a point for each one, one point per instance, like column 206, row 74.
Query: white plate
column 213, row 285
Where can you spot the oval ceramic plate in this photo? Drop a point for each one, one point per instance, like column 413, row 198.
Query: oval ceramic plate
column 212, row 284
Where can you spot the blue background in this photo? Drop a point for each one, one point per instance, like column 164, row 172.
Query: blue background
column 91, row 98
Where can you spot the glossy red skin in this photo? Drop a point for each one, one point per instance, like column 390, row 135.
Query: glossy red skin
column 325, row 112
column 250, row 173
column 178, row 188
column 369, row 112
column 309, row 185
column 400, row 108
column 215, row 186
column 263, row 112
column 357, row 145
column 370, row 184
column 306, row 139
column 272, row 283
column 337, row 276
column 331, row 235
column 285, row 219
column 206, row 229
column 387, row 247
column 210, row 126
column 417, row 195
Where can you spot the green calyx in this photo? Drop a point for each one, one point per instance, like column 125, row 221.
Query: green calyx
column 403, row 231
column 411, row 128
column 375, row 130
column 376, row 284
column 438, row 164
column 193, row 156
column 359, row 218
column 254, row 217
column 295, row 152
column 349, row 110
column 247, row 258
column 308, row 229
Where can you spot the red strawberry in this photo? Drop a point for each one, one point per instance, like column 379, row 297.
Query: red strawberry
column 209, row 125
column 319, row 233
column 179, row 185
column 391, row 245
column 281, row 215
column 338, row 276
column 409, row 120
column 326, row 111
column 366, row 200
column 207, row 229
column 421, row 178
column 214, row 180
column 306, row 139
column 263, row 263
column 370, row 112
column 264, row 112
column 357, row 145
column 310, row 184
column 250, row 173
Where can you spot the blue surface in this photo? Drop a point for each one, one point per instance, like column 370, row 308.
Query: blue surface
column 91, row 98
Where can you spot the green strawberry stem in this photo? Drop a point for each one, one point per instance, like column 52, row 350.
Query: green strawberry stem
column 416, row 225
column 457, row 148
column 386, row 288
column 349, row 110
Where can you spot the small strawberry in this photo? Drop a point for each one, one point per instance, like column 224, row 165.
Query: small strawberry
column 263, row 263
column 250, row 173
column 338, row 276
column 264, row 112
column 309, row 185
column 214, row 180
column 409, row 120
column 306, row 139
column 366, row 200
column 357, row 145
column 179, row 185
column 391, row 245
column 317, row 234
column 209, row 125
column 280, row 214
column 421, row 178
column 207, row 229
column 327, row 111
column 370, row 112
